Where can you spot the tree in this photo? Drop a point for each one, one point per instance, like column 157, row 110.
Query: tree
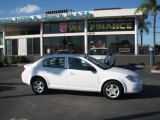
column 144, row 27
column 150, row 6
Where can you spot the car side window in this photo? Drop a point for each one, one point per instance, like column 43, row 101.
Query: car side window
column 78, row 64
column 46, row 63
column 55, row 62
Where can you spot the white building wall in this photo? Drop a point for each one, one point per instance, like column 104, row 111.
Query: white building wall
column 136, row 37
column 41, row 39
column 4, row 34
column 22, row 46
column 85, row 37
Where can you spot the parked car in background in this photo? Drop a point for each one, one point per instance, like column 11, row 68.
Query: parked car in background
column 103, row 55
column 65, row 51
column 81, row 73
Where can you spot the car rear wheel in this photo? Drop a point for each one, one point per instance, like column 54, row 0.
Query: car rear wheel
column 112, row 90
column 39, row 86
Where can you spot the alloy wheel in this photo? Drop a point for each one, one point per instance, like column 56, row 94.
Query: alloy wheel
column 38, row 86
column 112, row 91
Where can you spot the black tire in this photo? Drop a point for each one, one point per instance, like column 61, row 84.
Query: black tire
column 39, row 86
column 112, row 90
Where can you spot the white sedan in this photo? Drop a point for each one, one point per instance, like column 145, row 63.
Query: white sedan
column 81, row 73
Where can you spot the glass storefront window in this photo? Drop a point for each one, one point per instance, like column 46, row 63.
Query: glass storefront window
column 54, row 27
column 80, row 26
column 15, row 47
column 91, row 25
column 22, row 29
column 11, row 47
column 29, row 46
column 118, row 44
column 1, row 39
column 8, row 47
column 63, row 27
column 46, row 28
column 33, row 46
column 72, row 26
column 70, row 44
column 36, row 46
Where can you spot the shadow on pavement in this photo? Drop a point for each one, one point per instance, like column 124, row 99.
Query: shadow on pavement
column 17, row 96
column 78, row 93
column 149, row 91
column 136, row 116
column 12, row 84
column 6, row 88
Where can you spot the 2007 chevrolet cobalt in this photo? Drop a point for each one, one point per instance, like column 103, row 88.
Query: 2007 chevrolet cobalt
column 81, row 73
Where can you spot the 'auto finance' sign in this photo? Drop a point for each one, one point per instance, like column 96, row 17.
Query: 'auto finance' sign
column 111, row 27
column 116, row 24
column 46, row 17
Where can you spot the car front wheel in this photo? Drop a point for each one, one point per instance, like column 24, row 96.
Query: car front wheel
column 112, row 90
column 39, row 86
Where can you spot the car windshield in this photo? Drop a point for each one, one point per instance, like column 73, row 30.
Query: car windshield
column 97, row 63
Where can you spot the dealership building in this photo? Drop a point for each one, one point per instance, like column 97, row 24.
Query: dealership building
column 113, row 28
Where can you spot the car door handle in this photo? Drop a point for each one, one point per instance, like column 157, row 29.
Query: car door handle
column 71, row 73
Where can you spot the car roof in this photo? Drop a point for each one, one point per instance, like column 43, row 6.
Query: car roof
column 64, row 55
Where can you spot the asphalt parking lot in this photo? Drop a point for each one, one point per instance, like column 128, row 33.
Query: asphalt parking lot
column 18, row 102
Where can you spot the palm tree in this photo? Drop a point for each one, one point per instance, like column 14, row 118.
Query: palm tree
column 144, row 27
column 150, row 6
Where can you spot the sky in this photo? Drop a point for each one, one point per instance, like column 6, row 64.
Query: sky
column 14, row 8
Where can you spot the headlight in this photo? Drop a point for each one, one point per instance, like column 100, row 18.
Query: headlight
column 132, row 78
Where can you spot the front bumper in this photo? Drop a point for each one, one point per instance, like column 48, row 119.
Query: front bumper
column 134, row 87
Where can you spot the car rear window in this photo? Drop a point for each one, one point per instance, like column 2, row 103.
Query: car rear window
column 55, row 62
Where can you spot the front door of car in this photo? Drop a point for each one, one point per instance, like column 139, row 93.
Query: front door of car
column 81, row 75
column 55, row 72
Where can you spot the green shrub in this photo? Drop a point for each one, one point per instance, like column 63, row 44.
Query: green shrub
column 8, row 59
column 15, row 59
column 23, row 59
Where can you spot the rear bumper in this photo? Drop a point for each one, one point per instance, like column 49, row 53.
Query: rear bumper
column 25, row 78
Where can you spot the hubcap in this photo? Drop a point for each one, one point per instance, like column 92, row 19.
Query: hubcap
column 38, row 86
column 112, row 91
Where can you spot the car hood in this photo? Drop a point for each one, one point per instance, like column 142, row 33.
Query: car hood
column 99, row 56
column 123, row 71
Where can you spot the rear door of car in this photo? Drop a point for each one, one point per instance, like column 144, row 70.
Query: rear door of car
column 55, row 72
